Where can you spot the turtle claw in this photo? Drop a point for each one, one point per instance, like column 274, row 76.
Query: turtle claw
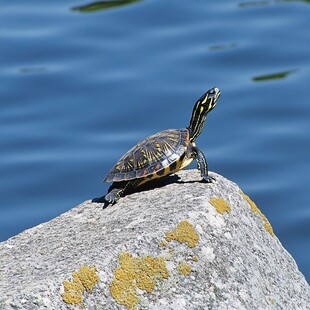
column 112, row 197
column 109, row 199
column 109, row 202
column 208, row 179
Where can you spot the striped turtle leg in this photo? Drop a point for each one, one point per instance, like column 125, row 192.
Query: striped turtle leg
column 117, row 190
column 202, row 164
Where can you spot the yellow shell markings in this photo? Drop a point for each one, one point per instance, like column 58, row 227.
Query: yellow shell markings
column 255, row 209
column 184, row 233
column 184, row 269
column 133, row 273
column 84, row 279
column 220, row 204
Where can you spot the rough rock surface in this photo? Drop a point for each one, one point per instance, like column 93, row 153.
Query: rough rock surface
column 184, row 245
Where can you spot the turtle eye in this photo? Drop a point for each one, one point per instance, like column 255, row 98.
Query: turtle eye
column 215, row 93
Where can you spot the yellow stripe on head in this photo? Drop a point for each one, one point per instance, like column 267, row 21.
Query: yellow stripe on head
column 203, row 106
column 205, row 100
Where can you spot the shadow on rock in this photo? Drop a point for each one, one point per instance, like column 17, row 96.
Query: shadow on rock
column 145, row 187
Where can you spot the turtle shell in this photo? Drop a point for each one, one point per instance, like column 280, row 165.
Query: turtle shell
column 150, row 155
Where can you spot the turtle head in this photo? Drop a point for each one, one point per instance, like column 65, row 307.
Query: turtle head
column 203, row 106
column 208, row 100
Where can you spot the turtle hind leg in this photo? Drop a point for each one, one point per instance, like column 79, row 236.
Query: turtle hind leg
column 202, row 165
column 113, row 196
column 117, row 190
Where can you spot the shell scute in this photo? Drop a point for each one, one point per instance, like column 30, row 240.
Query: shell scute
column 150, row 155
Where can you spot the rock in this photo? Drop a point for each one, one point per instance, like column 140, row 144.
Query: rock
column 185, row 245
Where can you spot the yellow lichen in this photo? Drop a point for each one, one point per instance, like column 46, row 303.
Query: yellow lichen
column 185, row 269
column 133, row 273
column 163, row 243
column 88, row 276
column 73, row 291
column 184, row 233
column 85, row 278
column 255, row 209
column 220, row 205
column 195, row 258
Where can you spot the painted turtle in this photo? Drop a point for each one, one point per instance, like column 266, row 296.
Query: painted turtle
column 163, row 153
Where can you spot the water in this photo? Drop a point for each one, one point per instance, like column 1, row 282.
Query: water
column 82, row 82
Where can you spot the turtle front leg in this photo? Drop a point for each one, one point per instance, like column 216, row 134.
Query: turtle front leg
column 202, row 164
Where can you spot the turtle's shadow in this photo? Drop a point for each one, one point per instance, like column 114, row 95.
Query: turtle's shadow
column 174, row 178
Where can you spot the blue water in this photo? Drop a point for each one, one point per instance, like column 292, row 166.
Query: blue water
column 80, row 83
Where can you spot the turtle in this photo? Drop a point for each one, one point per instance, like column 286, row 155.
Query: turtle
column 163, row 153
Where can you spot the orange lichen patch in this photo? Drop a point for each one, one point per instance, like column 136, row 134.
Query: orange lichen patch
column 255, row 209
column 133, row 273
column 184, row 233
column 220, row 205
column 85, row 278
column 184, row 269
